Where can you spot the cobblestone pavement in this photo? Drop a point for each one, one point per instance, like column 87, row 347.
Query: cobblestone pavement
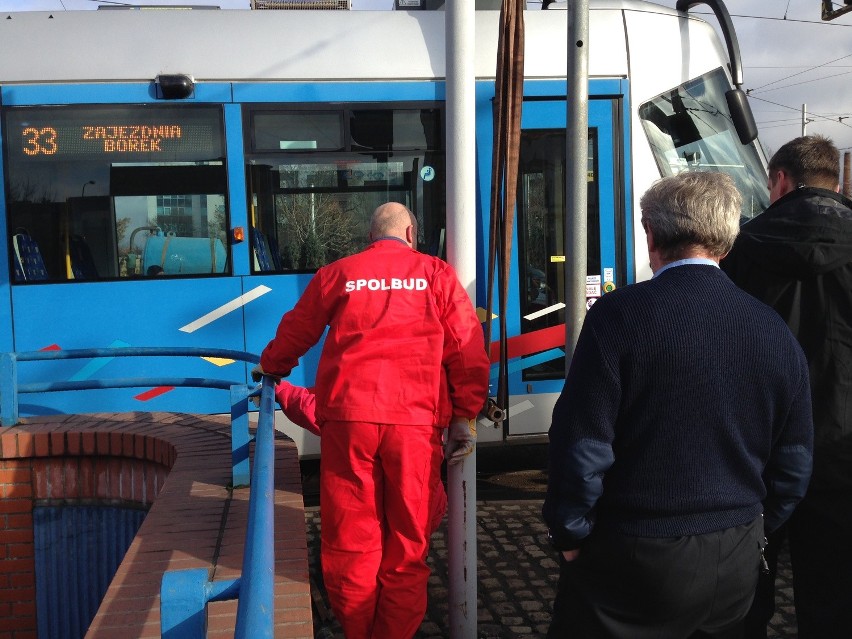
column 517, row 574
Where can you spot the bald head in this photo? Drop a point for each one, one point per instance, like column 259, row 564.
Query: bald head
column 393, row 220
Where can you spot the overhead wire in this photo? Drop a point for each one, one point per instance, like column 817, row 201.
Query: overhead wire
column 821, row 117
column 819, row 66
column 826, row 118
column 795, row 84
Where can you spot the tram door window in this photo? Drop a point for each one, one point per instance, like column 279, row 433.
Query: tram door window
column 316, row 175
column 115, row 192
column 541, row 215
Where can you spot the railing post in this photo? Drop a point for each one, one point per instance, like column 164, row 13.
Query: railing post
column 240, row 437
column 8, row 389
column 184, row 595
column 183, row 604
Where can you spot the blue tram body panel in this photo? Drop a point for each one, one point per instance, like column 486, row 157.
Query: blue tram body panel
column 155, row 312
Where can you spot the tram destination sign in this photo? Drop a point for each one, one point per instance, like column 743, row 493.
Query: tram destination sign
column 123, row 133
column 48, row 140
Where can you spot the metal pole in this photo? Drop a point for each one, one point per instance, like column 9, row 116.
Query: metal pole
column 576, row 180
column 461, row 253
column 804, row 119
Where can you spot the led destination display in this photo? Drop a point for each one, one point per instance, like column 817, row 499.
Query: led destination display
column 168, row 134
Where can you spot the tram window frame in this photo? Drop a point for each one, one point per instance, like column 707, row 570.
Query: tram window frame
column 261, row 190
column 107, row 195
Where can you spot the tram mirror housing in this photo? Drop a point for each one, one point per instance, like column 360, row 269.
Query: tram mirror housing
column 174, row 87
column 741, row 115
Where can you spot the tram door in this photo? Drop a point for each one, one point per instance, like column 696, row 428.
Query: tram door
column 541, row 219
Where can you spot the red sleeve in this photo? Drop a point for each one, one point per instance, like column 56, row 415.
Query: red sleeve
column 465, row 360
column 298, row 330
column 299, row 405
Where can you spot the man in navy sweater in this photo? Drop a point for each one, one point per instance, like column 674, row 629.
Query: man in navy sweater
column 683, row 432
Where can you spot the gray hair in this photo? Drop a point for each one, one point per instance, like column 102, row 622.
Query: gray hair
column 693, row 209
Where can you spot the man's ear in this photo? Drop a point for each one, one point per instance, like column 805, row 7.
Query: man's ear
column 409, row 235
column 649, row 236
column 783, row 183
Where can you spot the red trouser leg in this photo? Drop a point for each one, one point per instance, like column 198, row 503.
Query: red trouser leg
column 411, row 459
column 377, row 497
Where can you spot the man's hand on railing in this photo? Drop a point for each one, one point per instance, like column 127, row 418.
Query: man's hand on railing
column 257, row 374
column 461, row 438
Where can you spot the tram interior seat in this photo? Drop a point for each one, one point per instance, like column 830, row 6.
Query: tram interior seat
column 266, row 257
column 29, row 264
column 82, row 263
column 274, row 252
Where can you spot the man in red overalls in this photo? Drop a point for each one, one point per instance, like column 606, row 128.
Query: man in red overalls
column 404, row 356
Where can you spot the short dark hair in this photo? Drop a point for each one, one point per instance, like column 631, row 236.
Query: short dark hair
column 810, row 160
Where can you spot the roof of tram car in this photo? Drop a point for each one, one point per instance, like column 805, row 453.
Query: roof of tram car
column 342, row 45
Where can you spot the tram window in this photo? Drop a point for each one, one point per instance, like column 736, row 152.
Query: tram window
column 311, row 208
column 690, row 129
column 315, row 130
column 385, row 130
column 541, row 233
column 112, row 192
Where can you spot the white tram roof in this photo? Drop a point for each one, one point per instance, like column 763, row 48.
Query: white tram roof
column 225, row 46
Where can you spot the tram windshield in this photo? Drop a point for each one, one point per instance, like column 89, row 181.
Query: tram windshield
column 115, row 192
column 690, row 129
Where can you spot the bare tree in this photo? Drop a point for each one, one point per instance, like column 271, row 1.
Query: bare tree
column 27, row 191
column 315, row 228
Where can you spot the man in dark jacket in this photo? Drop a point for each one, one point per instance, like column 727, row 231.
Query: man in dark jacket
column 685, row 416
column 797, row 257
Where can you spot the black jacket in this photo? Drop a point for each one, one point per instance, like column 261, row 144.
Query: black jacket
column 797, row 257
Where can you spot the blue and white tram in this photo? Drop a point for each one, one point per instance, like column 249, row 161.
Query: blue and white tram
column 174, row 178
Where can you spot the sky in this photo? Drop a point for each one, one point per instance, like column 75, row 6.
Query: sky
column 790, row 56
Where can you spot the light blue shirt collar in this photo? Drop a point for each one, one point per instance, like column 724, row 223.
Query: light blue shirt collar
column 688, row 260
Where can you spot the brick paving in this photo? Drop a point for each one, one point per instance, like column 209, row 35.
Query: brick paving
column 517, row 574
column 196, row 521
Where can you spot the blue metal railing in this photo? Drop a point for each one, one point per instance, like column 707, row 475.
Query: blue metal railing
column 10, row 389
column 185, row 594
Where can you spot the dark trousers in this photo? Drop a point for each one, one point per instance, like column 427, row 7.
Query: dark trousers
column 623, row 587
column 819, row 535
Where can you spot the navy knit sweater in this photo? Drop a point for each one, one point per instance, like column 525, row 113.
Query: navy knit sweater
column 686, row 410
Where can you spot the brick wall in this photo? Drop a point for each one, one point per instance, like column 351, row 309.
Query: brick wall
column 180, row 465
